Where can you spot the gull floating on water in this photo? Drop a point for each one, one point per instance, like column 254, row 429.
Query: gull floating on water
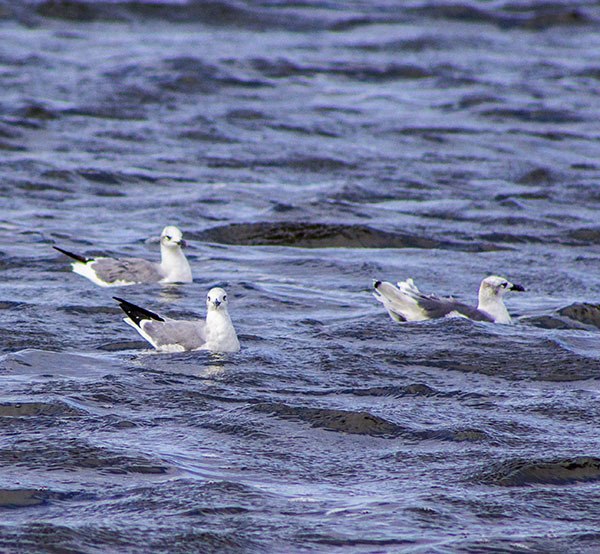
column 406, row 302
column 216, row 333
column 115, row 272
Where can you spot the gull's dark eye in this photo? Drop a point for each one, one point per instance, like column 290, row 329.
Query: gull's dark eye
column 225, row 297
column 167, row 237
column 504, row 285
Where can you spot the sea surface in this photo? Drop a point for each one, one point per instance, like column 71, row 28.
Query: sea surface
column 304, row 148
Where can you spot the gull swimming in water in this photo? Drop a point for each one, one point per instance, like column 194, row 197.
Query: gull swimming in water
column 216, row 333
column 406, row 302
column 115, row 272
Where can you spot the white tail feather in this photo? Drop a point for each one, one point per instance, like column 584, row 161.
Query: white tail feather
column 400, row 302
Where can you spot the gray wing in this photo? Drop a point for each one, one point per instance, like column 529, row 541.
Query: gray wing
column 130, row 270
column 435, row 307
column 187, row 334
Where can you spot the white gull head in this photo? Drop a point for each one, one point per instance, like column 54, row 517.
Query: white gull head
column 491, row 291
column 172, row 237
column 174, row 265
column 216, row 299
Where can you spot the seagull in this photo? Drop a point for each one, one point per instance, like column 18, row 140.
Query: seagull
column 171, row 335
column 116, row 272
column 406, row 302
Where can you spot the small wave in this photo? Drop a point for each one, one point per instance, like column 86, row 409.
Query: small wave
column 532, row 17
column 20, row 498
column 216, row 13
column 587, row 235
column 583, row 312
column 533, row 115
column 490, row 354
column 24, row 498
column 515, row 473
column 24, row 340
column 414, row 389
column 322, row 235
column 554, row 321
column 313, row 164
column 454, row 435
column 283, row 68
column 359, row 423
column 37, row 409
column 537, row 176
column 74, row 454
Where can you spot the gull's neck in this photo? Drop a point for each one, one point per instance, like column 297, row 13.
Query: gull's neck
column 493, row 305
column 174, row 265
column 220, row 333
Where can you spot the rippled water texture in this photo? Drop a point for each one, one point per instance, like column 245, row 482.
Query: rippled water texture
column 304, row 148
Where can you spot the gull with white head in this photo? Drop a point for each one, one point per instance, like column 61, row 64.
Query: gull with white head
column 115, row 272
column 216, row 333
column 405, row 302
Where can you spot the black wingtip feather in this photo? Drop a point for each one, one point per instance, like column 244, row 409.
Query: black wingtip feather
column 77, row 257
column 135, row 313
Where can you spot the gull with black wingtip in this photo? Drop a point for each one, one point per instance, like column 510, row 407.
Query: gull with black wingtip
column 216, row 333
column 115, row 272
column 405, row 302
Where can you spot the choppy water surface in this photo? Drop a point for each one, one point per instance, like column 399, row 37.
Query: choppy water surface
column 305, row 148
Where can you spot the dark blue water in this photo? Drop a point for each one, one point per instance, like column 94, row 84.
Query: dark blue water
column 304, row 148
